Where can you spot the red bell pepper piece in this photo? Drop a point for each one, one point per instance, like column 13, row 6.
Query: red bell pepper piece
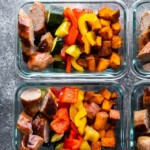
column 68, row 64
column 78, row 12
column 61, row 121
column 68, row 143
column 74, row 128
column 68, row 13
column 55, row 91
column 70, row 39
column 69, row 95
column 79, row 38
column 63, row 53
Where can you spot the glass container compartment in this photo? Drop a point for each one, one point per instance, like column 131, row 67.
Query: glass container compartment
column 112, row 86
column 21, row 66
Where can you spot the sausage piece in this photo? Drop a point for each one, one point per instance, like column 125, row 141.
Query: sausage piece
column 141, row 120
column 38, row 16
column 31, row 142
column 30, row 99
column 49, row 105
column 24, row 124
column 39, row 61
column 41, row 128
column 26, row 33
column 143, row 143
column 46, row 43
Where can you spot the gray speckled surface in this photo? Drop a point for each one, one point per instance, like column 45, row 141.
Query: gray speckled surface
column 9, row 79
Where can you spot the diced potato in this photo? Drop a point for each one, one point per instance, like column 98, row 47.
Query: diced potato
column 106, row 33
column 101, row 120
column 114, row 114
column 113, row 95
column 105, row 13
column 104, row 22
column 82, row 62
column 116, row 27
column 108, row 142
column 98, row 42
column 115, row 60
column 110, row 134
column 106, row 49
column 107, row 105
column 106, row 93
column 97, row 98
column 116, row 42
column 96, row 145
column 96, row 26
column 102, row 134
column 114, row 15
column 103, row 64
column 91, row 63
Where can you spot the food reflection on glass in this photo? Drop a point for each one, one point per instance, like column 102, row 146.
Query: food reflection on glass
column 141, row 122
column 70, row 38
column 68, row 117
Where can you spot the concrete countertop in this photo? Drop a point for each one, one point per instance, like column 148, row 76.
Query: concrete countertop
column 9, row 79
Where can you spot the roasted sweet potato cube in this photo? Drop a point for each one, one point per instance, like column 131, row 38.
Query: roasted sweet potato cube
column 110, row 134
column 88, row 95
column 115, row 60
column 116, row 27
column 146, row 98
column 105, row 13
column 105, row 93
column 106, row 33
column 108, row 142
column 114, row 114
column 82, row 62
column 113, row 95
column 102, row 133
column 104, row 22
column 108, row 126
column 91, row 62
column 116, row 42
column 107, row 105
column 103, row 64
column 106, row 49
column 98, row 42
column 96, row 98
column 96, row 26
column 114, row 15
column 96, row 145
column 101, row 120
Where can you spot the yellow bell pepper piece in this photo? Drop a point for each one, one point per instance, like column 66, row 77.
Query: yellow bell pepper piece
column 85, row 146
column 83, row 123
column 91, row 37
column 63, row 29
column 82, row 113
column 80, row 96
column 75, row 65
column 73, row 50
column 91, row 134
column 83, row 28
column 87, row 46
column 72, row 112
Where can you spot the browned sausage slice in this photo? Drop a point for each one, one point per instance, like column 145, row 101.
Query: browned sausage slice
column 40, row 61
column 26, row 33
column 30, row 99
column 31, row 142
column 46, row 43
column 24, row 123
column 49, row 105
column 141, row 120
column 38, row 16
column 143, row 143
column 41, row 127
column 144, row 54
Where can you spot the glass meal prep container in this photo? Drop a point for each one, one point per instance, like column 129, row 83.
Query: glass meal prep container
column 95, row 5
column 112, row 86
column 139, row 8
column 136, row 104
